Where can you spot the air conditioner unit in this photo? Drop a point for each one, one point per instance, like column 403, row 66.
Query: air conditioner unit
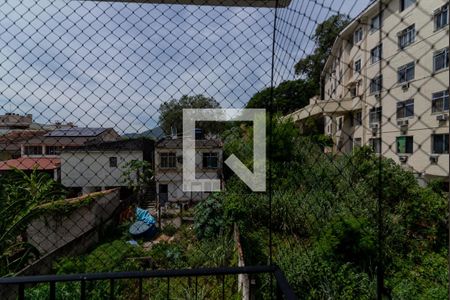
column 375, row 127
column 434, row 158
column 405, row 86
column 403, row 158
column 403, row 123
column 442, row 117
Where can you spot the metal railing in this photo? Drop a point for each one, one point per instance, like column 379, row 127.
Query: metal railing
column 283, row 289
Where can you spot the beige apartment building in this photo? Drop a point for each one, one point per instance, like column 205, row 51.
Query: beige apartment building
column 386, row 85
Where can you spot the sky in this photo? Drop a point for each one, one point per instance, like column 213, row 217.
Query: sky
column 109, row 64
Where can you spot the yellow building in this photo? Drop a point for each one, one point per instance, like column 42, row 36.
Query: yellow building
column 386, row 84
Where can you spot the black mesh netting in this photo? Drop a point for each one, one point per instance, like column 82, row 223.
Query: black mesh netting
column 93, row 149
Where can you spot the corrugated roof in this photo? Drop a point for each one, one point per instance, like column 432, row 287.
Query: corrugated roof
column 76, row 132
column 29, row 163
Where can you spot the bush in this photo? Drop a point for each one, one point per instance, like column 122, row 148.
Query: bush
column 169, row 230
column 208, row 217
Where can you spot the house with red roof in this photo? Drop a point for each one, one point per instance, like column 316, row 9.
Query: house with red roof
column 41, row 150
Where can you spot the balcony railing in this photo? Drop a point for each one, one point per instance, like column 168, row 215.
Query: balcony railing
column 18, row 285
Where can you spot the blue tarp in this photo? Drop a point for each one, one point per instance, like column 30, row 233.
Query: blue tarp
column 144, row 216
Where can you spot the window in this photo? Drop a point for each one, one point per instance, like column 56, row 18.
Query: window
column 358, row 66
column 405, row 144
column 376, row 84
column 353, row 91
column 440, row 60
column 439, row 102
column 358, row 119
column 375, row 144
column 357, row 36
column 440, row 143
column 168, row 160
column 406, row 72
column 405, row 109
column 441, row 17
column 357, row 142
column 407, row 37
column 404, row 4
column 376, row 22
column 375, row 115
column 376, row 53
column 33, row 150
column 53, row 150
column 210, row 160
column 113, row 162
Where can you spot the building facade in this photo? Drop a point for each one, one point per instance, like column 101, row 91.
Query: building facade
column 169, row 168
column 386, row 84
column 41, row 150
column 53, row 142
column 104, row 165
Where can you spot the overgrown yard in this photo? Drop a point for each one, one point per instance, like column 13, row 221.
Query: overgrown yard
column 172, row 249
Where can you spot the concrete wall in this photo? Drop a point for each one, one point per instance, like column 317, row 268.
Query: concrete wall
column 92, row 168
column 52, row 231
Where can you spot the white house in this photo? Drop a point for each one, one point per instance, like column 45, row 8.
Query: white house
column 101, row 166
column 169, row 168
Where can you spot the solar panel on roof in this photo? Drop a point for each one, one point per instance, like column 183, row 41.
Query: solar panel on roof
column 73, row 132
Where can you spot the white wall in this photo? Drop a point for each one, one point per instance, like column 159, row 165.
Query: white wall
column 92, row 169
column 174, row 179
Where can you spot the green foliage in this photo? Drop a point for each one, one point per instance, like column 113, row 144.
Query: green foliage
column 314, row 276
column 108, row 257
column 325, row 225
column 421, row 277
column 171, row 112
column 138, row 175
column 288, row 96
column 169, row 230
column 64, row 207
column 326, row 33
column 21, row 197
column 208, row 217
column 239, row 141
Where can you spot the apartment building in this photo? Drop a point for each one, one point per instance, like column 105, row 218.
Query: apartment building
column 386, row 84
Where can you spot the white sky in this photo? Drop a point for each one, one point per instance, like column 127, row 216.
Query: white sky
column 112, row 64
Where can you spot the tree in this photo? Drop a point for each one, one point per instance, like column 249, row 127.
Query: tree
column 171, row 112
column 292, row 95
column 138, row 176
column 288, row 97
column 310, row 67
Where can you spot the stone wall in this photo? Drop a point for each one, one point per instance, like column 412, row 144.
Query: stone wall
column 57, row 227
